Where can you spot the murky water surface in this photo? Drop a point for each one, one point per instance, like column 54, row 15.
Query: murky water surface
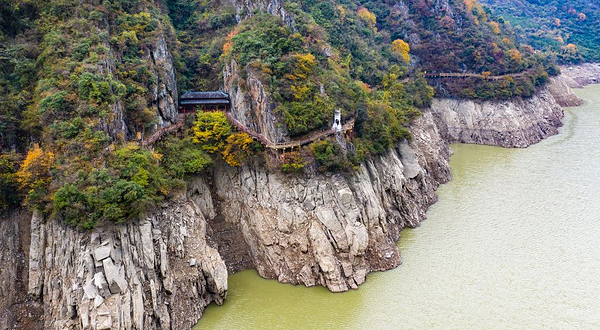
column 513, row 243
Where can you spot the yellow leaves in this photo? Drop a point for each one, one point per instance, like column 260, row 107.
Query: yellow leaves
column 211, row 129
column 368, row 17
column 238, row 149
column 515, row 55
column 157, row 156
column 495, row 27
column 302, row 66
column 401, row 49
column 506, row 41
column 476, row 11
column 301, row 92
column 34, row 173
column 342, row 12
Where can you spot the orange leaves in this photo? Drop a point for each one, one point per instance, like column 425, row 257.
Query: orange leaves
column 495, row 27
column 401, row 49
column 34, row 175
column 228, row 45
column 557, row 22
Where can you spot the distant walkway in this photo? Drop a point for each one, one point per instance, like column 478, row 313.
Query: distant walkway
column 180, row 121
column 455, row 75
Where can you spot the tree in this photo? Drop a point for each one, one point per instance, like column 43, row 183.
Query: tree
column 211, row 129
column 401, row 49
column 368, row 17
column 34, row 175
column 238, row 149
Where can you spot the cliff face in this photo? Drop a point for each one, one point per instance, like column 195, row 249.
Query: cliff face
column 332, row 230
column 250, row 103
column 319, row 229
column 159, row 273
column 515, row 123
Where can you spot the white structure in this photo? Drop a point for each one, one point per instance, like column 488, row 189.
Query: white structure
column 337, row 121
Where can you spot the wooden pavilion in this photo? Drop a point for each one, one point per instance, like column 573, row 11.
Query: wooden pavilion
column 191, row 101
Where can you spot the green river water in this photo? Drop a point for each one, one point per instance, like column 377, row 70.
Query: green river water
column 513, row 243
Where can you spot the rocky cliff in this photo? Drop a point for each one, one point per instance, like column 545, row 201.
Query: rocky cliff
column 318, row 229
column 515, row 123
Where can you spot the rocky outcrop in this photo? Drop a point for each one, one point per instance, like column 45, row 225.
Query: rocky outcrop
column 164, row 91
column 514, row 123
column 250, row 103
column 317, row 229
column 245, row 8
column 17, row 310
column 578, row 76
column 560, row 89
column 158, row 273
column 333, row 229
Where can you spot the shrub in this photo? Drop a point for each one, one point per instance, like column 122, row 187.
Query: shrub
column 329, row 156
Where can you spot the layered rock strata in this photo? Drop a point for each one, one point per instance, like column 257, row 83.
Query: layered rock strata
column 318, row 229
column 518, row 122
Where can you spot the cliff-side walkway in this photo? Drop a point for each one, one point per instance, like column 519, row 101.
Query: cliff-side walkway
column 180, row 121
column 458, row 75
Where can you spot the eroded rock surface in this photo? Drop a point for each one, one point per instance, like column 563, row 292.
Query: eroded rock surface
column 318, row 229
column 518, row 122
column 135, row 276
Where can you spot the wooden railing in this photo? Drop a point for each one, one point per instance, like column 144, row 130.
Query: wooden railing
column 290, row 144
column 180, row 121
column 457, row 75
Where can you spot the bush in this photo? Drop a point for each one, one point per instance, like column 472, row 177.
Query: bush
column 131, row 183
column 329, row 156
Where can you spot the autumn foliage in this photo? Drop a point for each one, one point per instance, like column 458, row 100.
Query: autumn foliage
column 35, row 176
column 401, row 49
column 213, row 132
column 367, row 16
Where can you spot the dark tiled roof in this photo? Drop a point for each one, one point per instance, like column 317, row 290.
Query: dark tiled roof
column 190, row 95
column 209, row 101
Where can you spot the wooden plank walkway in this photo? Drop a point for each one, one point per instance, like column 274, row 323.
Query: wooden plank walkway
column 457, row 75
column 180, row 121
column 290, row 144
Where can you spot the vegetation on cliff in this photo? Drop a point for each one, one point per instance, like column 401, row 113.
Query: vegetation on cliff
column 81, row 81
column 569, row 30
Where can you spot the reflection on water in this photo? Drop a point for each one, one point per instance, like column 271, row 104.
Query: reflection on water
column 513, row 243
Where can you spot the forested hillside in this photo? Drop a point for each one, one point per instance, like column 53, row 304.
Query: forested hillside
column 568, row 29
column 82, row 81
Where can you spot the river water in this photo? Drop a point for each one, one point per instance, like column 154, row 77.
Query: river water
column 513, row 243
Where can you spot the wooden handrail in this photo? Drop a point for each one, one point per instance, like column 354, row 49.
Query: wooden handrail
column 473, row 75
column 180, row 121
